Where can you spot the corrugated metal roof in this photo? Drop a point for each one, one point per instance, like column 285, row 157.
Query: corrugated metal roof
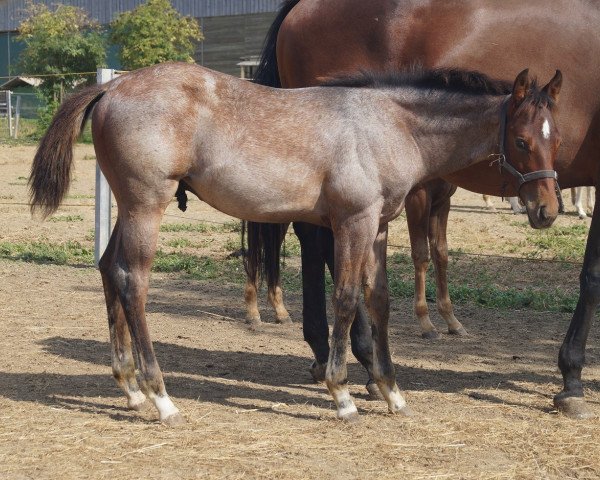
column 11, row 11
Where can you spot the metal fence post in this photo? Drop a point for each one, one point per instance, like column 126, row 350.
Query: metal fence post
column 9, row 113
column 103, row 224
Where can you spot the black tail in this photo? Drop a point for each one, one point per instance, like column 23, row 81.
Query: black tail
column 51, row 168
column 267, row 72
column 264, row 239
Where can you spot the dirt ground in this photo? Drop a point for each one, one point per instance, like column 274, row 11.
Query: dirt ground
column 483, row 403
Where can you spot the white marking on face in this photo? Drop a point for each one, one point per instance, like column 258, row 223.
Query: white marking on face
column 546, row 129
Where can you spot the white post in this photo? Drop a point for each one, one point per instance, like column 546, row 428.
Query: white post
column 103, row 224
column 9, row 113
column 17, row 117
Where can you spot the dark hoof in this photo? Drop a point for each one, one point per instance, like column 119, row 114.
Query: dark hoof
column 317, row 371
column 461, row 331
column 373, row 391
column 432, row 335
column 284, row 321
column 174, row 420
column 253, row 325
column 573, row 407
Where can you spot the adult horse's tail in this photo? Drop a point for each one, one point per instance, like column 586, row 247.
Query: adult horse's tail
column 51, row 169
column 264, row 239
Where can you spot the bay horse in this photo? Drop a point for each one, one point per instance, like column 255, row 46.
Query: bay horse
column 352, row 151
column 311, row 40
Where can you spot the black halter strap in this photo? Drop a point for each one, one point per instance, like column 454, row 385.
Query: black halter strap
column 527, row 177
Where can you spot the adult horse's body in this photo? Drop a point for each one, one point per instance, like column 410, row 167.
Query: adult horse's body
column 351, row 155
column 314, row 39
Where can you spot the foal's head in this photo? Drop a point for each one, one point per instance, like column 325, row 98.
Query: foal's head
column 530, row 144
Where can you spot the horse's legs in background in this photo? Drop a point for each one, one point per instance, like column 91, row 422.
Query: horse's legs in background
column 488, row 203
column 314, row 313
column 377, row 300
column 126, row 272
column 123, row 365
column 274, row 292
column 572, row 352
column 577, row 199
column 251, row 301
column 275, row 297
column 514, row 204
column 317, row 249
column 418, row 209
column 353, row 241
column 438, row 244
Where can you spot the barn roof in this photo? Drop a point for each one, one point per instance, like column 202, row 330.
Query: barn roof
column 20, row 82
column 11, row 11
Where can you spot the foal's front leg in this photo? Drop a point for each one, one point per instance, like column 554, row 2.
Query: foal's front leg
column 377, row 300
column 352, row 241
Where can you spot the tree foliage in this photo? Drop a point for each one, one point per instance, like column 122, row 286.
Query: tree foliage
column 59, row 42
column 154, row 32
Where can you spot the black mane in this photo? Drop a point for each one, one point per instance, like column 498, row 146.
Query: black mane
column 447, row 79
column 450, row 80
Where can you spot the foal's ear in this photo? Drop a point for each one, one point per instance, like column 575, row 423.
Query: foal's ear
column 553, row 87
column 521, row 86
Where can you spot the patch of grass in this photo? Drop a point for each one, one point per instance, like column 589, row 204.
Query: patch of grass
column 559, row 243
column 200, row 268
column 291, row 247
column 479, row 289
column 202, row 227
column 66, row 218
column 40, row 252
column 182, row 243
column 482, row 290
column 184, row 227
column 234, row 226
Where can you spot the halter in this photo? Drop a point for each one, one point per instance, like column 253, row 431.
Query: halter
column 527, row 177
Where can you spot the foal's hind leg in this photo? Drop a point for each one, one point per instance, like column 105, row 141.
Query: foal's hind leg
column 127, row 272
column 438, row 222
column 123, row 365
column 377, row 299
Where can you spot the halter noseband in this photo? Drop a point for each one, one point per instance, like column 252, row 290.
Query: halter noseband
column 527, row 177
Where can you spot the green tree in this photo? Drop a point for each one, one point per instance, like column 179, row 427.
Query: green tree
column 154, row 32
column 58, row 43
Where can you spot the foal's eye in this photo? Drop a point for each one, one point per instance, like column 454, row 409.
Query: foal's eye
column 522, row 144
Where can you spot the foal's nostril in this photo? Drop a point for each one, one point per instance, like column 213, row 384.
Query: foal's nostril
column 543, row 215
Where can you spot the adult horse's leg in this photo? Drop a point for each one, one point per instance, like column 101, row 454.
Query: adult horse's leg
column 427, row 207
column 438, row 245
column 123, row 365
column 251, row 301
column 418, row 209
column 572, row 352
column 314, row 313
column 256, row 234
column 126, row 272
column 377, row 300
column 317, row 250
